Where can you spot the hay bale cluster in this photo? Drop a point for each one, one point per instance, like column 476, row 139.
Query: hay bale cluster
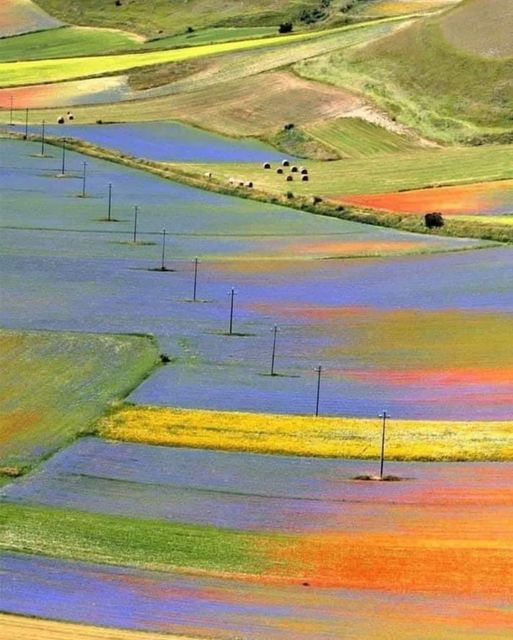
column 285, row 164
column 62, row 119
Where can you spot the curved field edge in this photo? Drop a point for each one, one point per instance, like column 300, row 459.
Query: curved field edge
column 56, row 385
column 28, row 628
column 310, row 436
column 194, row 175
column 127, row 541
column 55, row 70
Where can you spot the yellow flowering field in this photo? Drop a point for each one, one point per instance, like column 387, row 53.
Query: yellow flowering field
column 310, row 436
column 398, row 7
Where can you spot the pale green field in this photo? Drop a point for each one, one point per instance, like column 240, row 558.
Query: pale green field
column 356, row 138
column 410, row 170
column 63, row 42
column 38, row 71
column 54, row 385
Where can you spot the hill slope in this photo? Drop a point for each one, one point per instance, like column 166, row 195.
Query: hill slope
column 430, row 76
column 175, row 16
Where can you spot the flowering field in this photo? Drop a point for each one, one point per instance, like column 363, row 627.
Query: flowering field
column 398, row 7
column 307, row 522
column 47, row 400
column 22, row 16
column 380, row 326
column 169, row 141
column 28, row 72
column 249, row 492
column 302, row 435
column 481, row 198
column 219, row 608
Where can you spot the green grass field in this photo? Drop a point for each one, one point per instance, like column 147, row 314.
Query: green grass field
column 56, row 70
column 121, row 540
column 423, row 80
column 410, row 170
column 210, row 35
column 64, row 42
column 55, row 385
column 356, row 138
column 168, row 17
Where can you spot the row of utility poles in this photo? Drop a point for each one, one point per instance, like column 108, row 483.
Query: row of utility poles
column 384, row 416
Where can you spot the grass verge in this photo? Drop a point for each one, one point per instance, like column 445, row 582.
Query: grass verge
column 124, row 541
column 309, row 436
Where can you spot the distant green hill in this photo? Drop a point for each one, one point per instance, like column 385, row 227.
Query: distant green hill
column 160, row 18
column 450, row 76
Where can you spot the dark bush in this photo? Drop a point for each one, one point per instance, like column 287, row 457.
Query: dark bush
column 433, row 220
column 285, row 27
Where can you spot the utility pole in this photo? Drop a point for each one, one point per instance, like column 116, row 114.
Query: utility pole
column 109, row 206
column 196, row 261
column 63, row 164
column 275, row 333
column 136, row 211
column 384, row 416
column 84, row 165
column 163, row 260
column 232, row 296
column 319, row 373
column 43, row 138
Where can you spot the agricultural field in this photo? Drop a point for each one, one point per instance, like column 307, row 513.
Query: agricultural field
column 485, row 198
column 466, row 99
column 63, row 42
column 271, row 256
column 357, row 138
column 398, row 7
column 416, row 169
column 24, row 16
column 251, row 401
column 59, row 399
column 27, row 628
column 56, row 70
column 284, row 541
column 162, row 21
column 148, row 93
column 221, row 607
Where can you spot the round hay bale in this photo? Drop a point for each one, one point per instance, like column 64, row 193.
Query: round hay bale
column 70, row 116
column 285, row 163
column 294, row 169
column 248, row 184
column 305, row 178
column 267, row 165
column 280, row 170
column 60, row 120
column 303, row 171
column 290, row 178
column 207, row 175
column 241, row 184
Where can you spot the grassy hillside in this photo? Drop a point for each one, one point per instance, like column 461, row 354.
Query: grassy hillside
column 175, row 16
column 63, row 42
column 355, row 138
column 420, row 76
column 55, row 385
column 484, row 28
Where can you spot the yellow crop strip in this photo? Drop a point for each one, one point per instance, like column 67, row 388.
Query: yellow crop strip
column 56, row 70
column 310, row 436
